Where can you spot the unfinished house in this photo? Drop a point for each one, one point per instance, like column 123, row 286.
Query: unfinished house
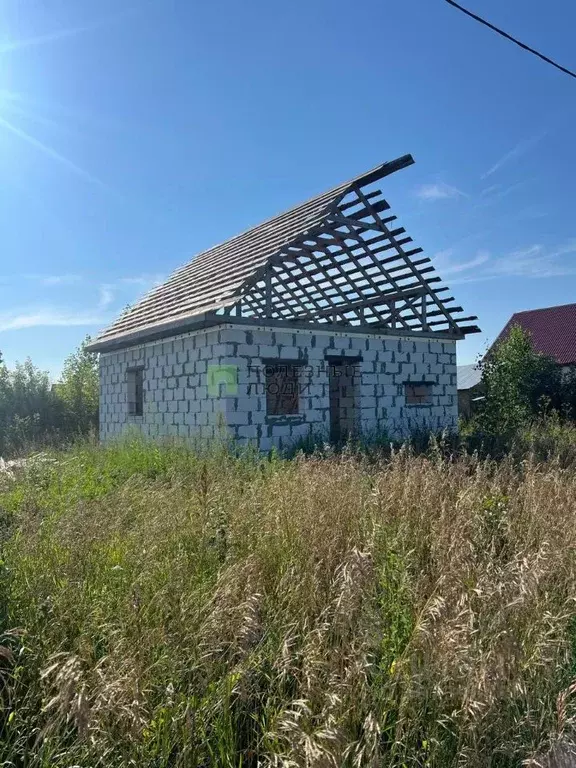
column 321, row 321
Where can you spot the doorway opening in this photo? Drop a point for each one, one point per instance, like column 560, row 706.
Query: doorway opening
column 343, row 387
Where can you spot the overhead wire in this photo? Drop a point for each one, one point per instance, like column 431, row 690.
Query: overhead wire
column 512, row 39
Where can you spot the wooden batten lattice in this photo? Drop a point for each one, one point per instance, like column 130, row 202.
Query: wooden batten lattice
column 354, row 270
column 339, row 259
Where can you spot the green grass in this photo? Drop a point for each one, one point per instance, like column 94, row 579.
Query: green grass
column 161, row 607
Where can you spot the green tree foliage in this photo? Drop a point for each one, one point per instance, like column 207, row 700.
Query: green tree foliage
column 569, row 392
column 78, row 389
column 29, row 408
column 33, row 411
column 518, row 383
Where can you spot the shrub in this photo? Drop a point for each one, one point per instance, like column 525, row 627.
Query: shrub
column 517, row 381
column 29, row 408
column 36, row 413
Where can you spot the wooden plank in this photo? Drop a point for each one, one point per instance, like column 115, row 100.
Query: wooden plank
column 369, row 196
column 462, row 319
column 379, row 294
column 322, row 273
column 309, row 250
column 323, row 244
column 379, row 206
column 346, row 221
column 385, row 170
column 400, row 250
column 282, row 290
column 385, row 272
column 282, row 280
column 367, row 302
column 396, row 257
column 355, row 261
column 376, row 301
column 324, row 238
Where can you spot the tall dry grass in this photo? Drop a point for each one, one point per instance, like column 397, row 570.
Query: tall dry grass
column 161, row 608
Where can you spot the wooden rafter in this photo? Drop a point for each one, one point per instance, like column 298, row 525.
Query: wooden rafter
column 340, row 257
column 340, row 272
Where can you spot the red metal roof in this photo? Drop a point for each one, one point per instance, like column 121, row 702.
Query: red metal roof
column 553, row 331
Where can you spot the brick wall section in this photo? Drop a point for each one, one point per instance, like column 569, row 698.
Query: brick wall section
column 178, row 401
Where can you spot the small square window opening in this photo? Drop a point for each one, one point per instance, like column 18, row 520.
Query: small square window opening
column 135, row 391
column 282, row 396
column 418, row 393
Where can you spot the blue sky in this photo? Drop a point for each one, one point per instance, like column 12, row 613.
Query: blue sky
column 132, row 139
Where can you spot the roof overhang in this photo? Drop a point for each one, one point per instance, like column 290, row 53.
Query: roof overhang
column 212, row 319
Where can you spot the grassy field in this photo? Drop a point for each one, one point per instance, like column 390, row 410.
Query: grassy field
column 160, row 608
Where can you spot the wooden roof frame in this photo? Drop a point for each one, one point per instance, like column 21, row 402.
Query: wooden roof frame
column 334, row 261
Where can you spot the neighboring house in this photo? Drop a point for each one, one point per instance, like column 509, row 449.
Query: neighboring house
column 320, row 320
column 469, row 385
column 552, row 330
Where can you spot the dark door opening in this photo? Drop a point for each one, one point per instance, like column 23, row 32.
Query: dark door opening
column 343, row 383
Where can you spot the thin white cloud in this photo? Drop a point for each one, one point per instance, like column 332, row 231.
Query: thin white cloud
column 145, row 280
column 520, row 149
column 507, row 190
column 443, row 256
column 102, row 313
column 536, row 262
column 109, row 291
column 525, row 262
column 563, row 250
column 498, row 192
column 46, row 280
column 43, row 318
column 532, row 262
column 438, row 191
column 455, row 268
column 479, row 278
column 530, row 212
column 490, row 190
column 106, row 296
column 57, row 279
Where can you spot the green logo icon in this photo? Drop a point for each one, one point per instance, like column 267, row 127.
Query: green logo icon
column 222, row 380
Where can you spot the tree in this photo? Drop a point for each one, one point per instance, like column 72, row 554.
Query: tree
column 29, row 408
column 568, row 392
column 33, row 412
column 518, row 383
column 78, row 389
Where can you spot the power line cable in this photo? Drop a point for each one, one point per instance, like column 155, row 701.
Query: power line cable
column 513, row 39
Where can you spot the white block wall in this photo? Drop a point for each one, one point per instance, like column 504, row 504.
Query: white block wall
column 177, row 401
